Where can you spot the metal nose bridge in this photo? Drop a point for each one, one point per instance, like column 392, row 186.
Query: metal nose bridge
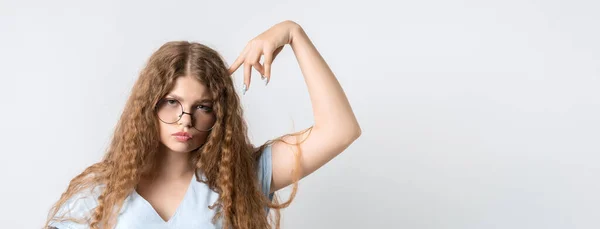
column 183, row 112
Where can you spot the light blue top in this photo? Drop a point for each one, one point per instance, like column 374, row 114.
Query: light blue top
column 192, row 213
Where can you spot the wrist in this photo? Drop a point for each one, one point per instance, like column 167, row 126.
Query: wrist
column 294, row 30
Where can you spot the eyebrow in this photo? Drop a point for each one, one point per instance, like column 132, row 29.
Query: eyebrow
column 197, row 101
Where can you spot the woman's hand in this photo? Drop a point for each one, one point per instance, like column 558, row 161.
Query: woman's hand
column 269, row 44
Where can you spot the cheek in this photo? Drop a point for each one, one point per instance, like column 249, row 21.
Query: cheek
column 164, row 132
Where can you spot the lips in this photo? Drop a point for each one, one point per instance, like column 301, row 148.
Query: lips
column 182, row 136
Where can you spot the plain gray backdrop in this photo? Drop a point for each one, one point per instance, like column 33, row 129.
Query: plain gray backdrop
column 475, row 114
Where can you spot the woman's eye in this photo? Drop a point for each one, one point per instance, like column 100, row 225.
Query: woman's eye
column 204, row 108
column 171, row 101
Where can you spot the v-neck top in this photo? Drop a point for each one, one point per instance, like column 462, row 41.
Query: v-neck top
column 192, row 212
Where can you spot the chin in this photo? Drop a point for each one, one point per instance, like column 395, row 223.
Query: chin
column 179, row 147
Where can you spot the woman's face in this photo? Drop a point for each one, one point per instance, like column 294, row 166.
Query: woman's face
column 189, row 94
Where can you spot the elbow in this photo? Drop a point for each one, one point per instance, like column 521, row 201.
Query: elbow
column 345, row 135
column 352, row 136
column 357, row 132
column 354, row 133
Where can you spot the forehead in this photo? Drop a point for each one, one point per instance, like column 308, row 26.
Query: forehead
column 189, row 89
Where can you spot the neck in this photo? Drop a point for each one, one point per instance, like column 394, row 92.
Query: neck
column 174, row 165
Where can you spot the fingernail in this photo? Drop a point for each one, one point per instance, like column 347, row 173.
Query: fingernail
column 262, row 77
column 244, row 89
column 266, row 81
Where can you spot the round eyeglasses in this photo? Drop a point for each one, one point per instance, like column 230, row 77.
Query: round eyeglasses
column 170, row 111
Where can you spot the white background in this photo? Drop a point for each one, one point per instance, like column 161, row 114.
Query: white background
column 475, row 114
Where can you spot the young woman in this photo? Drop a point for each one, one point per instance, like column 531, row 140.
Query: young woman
column 180, row 156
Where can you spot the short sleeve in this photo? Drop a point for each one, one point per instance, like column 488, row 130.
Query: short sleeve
column 80, row 206
column 265, row 171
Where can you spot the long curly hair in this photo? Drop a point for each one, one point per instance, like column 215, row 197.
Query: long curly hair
column 227, row 159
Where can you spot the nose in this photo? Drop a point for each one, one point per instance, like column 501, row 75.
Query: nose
column 185, row 120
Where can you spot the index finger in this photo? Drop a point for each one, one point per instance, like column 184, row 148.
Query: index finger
column 238, row 62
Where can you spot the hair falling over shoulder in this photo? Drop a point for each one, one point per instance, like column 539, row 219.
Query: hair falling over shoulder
column 227, row 159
